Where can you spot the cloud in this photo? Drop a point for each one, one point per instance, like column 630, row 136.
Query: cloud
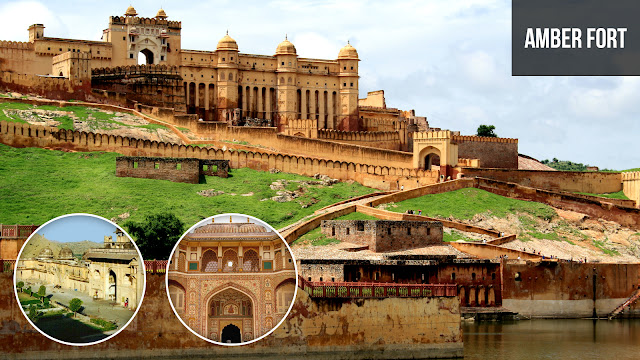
column 17, row 16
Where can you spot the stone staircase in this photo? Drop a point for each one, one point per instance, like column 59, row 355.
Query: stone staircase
column 633, row 298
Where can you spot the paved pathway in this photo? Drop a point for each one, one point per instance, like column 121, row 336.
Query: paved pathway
column 99, row 308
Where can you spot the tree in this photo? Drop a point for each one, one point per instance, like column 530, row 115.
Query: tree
column 20, row 285
column 74, row 305
column 486, row 130
column 34, row 314
column 157, row 235
column 42, row 291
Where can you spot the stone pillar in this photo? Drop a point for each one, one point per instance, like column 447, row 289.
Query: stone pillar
column 322, row 122
column 269, row 110
column 330, row 121
column 312, row 105
column 197, row 96
column 303, row 104
column 260, row 104
column 245, row 98
column 206, row 96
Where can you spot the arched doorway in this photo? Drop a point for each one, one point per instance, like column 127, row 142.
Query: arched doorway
column 230, row 307
column 112, row 292
column 230, row 334
column 429, row 156
column 147, row 59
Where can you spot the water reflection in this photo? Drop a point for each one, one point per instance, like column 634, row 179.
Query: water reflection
column 553, row 339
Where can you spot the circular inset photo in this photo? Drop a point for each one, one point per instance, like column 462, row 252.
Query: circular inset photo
column 231, row 279
column 79, row 279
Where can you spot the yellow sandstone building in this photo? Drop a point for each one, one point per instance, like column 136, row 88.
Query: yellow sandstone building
column 219, row 85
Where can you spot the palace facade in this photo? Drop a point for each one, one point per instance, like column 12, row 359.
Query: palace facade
column 231, row 282
column 113, row 272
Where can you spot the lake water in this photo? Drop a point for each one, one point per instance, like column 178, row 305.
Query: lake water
column 553, row 339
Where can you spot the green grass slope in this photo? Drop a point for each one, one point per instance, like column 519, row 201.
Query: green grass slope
column 465, row 203
column 37, row 185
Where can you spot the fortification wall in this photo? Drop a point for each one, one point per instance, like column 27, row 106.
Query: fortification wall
column 380, row 177
column 18, row 57
column 566, row 289
column 316, row 329
column 588, row 182
column 51, row 88
column 389, row 140
column 268, row 137
column 492, row 152
column 631, row 186
column 600, row 208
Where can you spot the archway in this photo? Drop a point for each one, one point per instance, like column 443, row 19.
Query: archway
column 147, row 59
column 231, row 334
column 177, row 294
column 230, row 307
column 428, row 157
column 112, row 293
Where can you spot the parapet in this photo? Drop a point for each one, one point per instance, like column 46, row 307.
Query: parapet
column 484, row 139
column 16, row 45
column 427, row 135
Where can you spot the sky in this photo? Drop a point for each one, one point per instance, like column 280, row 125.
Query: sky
column 448, row 60
column 78, row 228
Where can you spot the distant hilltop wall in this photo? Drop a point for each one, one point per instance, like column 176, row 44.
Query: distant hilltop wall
column 571, row 181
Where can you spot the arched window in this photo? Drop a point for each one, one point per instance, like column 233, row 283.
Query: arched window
column 250, row 261
column 182, row 259
column 221, row 75
column 230, row 261
column 278, row 260
column 210, row 261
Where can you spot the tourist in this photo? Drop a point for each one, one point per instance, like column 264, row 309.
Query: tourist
column 126, row 303
column 401, row 187
column 420, row 212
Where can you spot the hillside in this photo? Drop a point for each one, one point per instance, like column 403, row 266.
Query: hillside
column 37, row 185
column 39, row 242
column 539, row 227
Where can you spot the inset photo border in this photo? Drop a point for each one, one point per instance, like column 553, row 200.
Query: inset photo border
column 231, row 279
column 79, row 276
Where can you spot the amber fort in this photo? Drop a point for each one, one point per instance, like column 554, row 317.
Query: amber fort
column 388, row 285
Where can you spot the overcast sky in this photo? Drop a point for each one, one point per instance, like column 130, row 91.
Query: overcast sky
column 448, row 60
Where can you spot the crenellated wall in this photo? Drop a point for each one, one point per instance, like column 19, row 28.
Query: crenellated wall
column 380, row 177
column 377, row 139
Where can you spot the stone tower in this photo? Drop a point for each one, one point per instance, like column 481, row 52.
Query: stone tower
column 36, row 31
column 348, row 112
column 227, row 53
column 286, row 87
column 156, row 40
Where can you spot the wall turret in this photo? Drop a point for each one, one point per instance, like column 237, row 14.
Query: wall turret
column 36, row 32
column 286, row 87
column 348, row 65
column 227, row 53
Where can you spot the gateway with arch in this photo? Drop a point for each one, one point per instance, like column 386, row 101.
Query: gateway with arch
column 231, row 282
